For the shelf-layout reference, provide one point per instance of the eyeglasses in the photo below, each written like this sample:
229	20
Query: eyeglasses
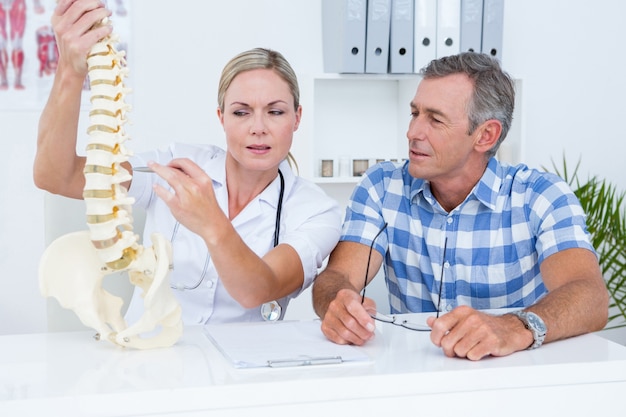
396	321
392	319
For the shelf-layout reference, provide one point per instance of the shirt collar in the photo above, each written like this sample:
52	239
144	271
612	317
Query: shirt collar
486	190
217	171
488	187
270	195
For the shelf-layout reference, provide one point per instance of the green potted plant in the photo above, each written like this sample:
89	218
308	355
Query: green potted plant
606	220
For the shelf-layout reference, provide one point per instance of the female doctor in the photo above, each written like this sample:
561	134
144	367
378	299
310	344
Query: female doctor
247	234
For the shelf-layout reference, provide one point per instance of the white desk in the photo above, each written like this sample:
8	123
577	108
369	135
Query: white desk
69	374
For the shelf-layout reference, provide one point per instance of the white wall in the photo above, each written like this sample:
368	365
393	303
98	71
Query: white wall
569	56
566	52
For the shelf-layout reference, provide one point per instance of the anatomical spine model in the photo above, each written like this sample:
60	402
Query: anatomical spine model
73	266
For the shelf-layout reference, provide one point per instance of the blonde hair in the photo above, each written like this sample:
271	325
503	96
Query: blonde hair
260	58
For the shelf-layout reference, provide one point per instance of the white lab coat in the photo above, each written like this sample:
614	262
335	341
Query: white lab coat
310	223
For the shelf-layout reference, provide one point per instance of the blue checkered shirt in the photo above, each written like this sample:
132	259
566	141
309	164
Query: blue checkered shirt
494	241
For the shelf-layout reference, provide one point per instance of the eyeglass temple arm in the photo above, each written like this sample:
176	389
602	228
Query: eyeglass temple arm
369	258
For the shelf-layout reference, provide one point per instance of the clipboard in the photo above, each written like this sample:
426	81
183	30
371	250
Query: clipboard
279	344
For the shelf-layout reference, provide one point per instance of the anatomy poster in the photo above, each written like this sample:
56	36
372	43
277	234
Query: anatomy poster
28	51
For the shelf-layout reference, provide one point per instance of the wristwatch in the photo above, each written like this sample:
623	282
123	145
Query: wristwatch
535	324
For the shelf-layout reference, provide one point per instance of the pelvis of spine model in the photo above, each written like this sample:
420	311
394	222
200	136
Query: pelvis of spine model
73	267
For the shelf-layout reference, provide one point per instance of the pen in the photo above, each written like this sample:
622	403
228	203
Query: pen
281	363
142	169
149	170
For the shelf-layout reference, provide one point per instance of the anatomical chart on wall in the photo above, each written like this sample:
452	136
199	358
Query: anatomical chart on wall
29	54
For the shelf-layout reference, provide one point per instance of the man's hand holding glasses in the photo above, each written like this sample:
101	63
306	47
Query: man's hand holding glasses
350	316
392	319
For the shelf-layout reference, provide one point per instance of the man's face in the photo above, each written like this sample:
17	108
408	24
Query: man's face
440	148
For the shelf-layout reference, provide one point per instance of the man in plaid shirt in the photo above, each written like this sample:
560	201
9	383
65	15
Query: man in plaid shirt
462	232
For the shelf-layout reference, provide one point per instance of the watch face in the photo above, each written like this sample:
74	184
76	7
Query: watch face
536	322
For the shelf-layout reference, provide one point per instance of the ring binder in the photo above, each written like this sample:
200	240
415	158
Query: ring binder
343	35
493	20
401	37
425	33
471	25
377	36
448	27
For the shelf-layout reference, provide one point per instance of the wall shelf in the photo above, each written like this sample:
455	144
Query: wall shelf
356	116
366	116
335	180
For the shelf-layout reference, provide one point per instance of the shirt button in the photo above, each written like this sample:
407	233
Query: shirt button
446	264
449	307
209	284
449	220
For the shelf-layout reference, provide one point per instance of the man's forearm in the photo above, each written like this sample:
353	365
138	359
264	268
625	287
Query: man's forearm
575	308
325	289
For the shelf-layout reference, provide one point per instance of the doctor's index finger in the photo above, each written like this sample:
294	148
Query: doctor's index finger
187	166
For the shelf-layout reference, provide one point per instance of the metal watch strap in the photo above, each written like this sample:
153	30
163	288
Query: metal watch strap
535	324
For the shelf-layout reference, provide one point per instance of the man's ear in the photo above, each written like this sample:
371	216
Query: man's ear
487	135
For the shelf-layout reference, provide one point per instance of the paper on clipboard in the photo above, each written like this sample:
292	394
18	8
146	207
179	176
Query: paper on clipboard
279	344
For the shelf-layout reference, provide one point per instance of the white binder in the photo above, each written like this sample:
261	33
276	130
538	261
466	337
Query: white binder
343	35
377	37
493	17
471	25
448	27
401	39
425	39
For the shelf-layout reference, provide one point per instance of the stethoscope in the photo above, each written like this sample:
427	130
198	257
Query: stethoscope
270	311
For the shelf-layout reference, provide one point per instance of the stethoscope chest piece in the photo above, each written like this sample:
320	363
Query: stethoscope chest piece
271	311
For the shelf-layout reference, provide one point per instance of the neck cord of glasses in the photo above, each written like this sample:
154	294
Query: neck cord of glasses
279	209
443	262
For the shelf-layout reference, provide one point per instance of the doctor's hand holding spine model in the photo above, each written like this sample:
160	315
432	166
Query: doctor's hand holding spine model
247	233
461	232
